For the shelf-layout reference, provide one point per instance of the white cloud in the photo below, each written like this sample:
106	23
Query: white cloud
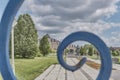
61	17
86	10
114	40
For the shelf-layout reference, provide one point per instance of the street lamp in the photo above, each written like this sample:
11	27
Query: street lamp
12	45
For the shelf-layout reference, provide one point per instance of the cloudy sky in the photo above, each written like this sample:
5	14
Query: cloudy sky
59	18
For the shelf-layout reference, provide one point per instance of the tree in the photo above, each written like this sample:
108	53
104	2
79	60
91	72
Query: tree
96	52
118	52
71	51
44	46
81	50
77	50
26	38
91	50
66	51
115	53
87	49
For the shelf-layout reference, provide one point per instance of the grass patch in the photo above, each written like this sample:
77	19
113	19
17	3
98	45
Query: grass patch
29	69
0	77
93	64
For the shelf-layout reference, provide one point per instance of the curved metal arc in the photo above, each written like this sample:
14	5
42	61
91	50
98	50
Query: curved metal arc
106	62
80	63
5	29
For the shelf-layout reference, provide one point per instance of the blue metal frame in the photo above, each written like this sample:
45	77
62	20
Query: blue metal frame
5	29
106	63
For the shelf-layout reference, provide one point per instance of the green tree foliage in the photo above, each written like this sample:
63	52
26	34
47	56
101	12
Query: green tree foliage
115	52
71	51
66	51
88	49
44	46
25	36
90	53
84	50
81	50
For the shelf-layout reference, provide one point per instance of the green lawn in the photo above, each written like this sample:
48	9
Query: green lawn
29	69
0	77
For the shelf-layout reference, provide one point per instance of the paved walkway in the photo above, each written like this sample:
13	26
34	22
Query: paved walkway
56	72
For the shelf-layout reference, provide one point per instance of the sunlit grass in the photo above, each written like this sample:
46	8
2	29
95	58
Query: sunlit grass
29	69
0	77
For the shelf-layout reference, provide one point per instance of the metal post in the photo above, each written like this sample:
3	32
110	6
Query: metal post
12	46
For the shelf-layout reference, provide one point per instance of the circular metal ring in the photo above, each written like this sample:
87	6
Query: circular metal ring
5	29
106	63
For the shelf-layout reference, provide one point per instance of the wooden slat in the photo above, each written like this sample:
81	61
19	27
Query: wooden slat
77	75
54	73
70	75
62	74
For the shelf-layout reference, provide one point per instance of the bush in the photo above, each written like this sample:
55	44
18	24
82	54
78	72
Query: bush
39	55
115	53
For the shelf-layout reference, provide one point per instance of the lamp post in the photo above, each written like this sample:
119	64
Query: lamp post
12	45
